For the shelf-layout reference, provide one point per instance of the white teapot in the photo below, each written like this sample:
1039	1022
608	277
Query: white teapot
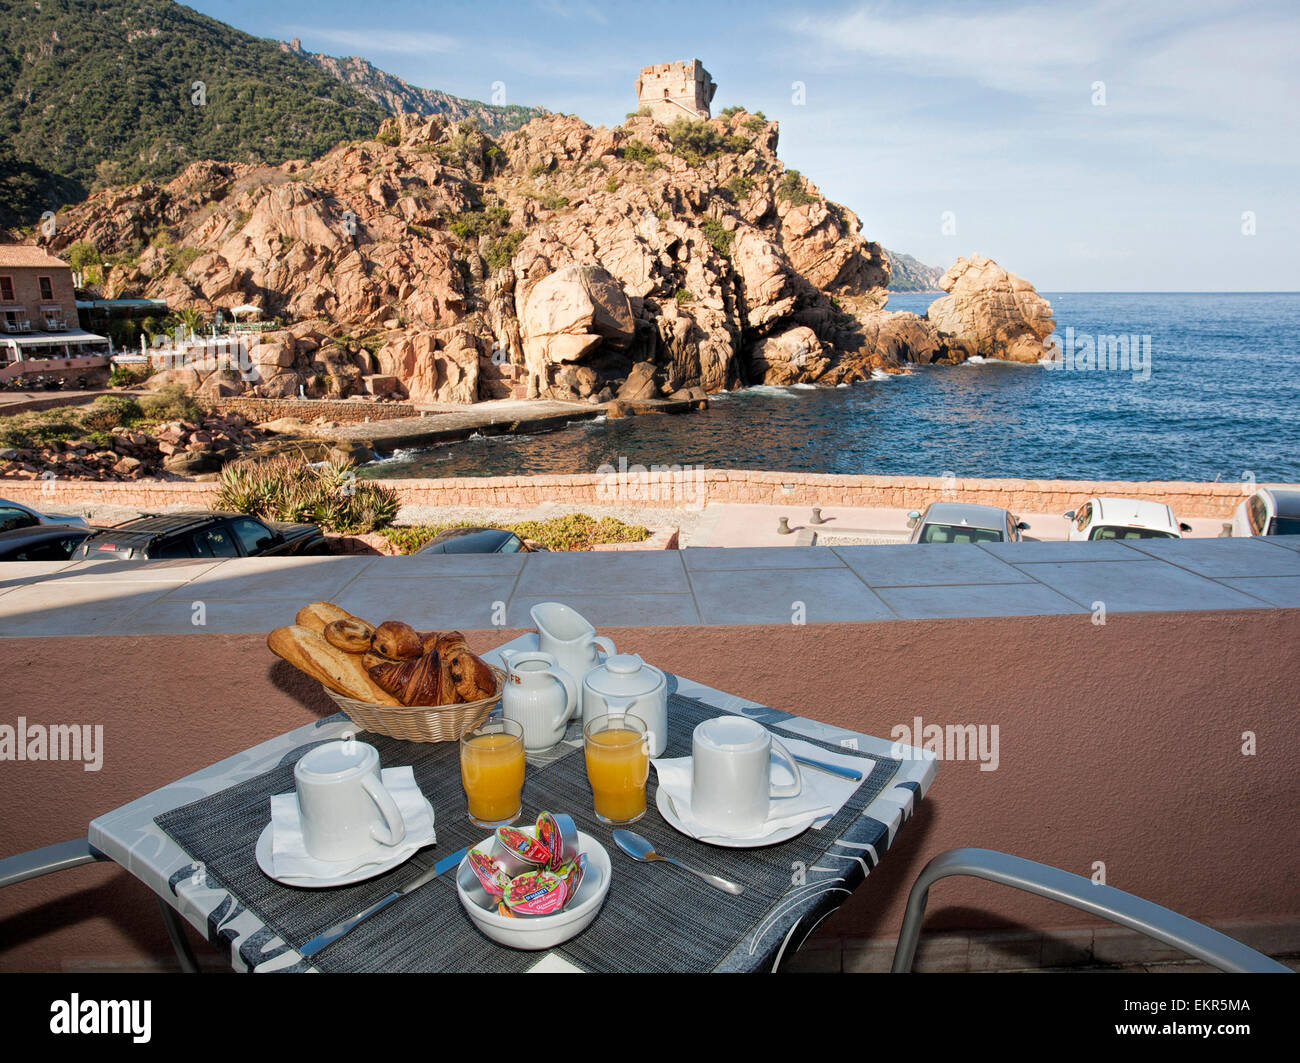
626	684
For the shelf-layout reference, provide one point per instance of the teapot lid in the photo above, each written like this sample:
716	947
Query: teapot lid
624	675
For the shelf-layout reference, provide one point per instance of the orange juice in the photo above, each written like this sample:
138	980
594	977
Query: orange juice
492	772
618	764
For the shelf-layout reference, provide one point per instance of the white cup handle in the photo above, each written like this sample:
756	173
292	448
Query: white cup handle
388	809
605	644
570	693
788	789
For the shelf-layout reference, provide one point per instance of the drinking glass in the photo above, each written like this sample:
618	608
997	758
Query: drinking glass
618	764
492	772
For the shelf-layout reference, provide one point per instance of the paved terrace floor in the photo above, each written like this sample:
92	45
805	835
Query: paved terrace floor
696	586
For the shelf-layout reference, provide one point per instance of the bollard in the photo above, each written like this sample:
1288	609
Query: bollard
783	526
817	516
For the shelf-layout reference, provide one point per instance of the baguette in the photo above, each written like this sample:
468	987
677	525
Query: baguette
337	669
318	614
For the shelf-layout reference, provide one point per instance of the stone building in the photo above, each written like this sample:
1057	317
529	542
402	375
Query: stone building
38	317
675	90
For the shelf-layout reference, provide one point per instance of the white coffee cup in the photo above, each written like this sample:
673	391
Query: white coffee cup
731	774
567	636
343	807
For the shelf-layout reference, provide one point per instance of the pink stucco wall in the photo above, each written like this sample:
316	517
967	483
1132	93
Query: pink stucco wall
1119	743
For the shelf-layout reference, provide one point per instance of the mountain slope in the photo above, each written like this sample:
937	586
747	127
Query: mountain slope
909	275
400	97
105	89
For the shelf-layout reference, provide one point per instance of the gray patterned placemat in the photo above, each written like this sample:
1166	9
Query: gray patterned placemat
655	918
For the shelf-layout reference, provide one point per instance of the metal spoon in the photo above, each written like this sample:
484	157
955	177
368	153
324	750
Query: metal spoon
639	849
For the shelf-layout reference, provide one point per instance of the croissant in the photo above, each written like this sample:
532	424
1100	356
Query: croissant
424	680
474	679
351	635
449	643
396	641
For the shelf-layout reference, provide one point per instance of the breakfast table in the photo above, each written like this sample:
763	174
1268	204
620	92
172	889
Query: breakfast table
192	842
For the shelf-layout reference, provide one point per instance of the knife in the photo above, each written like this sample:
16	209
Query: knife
335	932
834	769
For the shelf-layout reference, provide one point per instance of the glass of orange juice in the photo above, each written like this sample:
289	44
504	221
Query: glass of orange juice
492	772
618	764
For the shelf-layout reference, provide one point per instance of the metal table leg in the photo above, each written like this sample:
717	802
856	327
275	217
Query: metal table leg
176	931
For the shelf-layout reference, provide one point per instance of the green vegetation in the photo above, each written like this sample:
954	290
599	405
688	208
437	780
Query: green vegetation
140	89
791	189
289	487
696	141
755	122
554	201
683	296
125	376
501	251
95	422
389	137
718	235
612	185
639	151
740	186
577	531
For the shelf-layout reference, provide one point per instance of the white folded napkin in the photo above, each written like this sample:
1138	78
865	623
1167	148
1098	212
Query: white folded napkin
821	797
289	855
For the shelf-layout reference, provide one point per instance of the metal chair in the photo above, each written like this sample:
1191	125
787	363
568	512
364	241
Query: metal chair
65	855
1187	935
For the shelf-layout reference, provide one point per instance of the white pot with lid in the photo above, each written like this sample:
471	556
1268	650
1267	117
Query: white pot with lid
626	684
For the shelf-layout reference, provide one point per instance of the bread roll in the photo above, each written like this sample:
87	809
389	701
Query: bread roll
351	635
339	670
396	641
318	614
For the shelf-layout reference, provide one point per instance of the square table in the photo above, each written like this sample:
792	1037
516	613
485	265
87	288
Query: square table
258	926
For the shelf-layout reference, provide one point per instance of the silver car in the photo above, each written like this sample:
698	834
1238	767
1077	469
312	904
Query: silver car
1269	511
963	522
16	515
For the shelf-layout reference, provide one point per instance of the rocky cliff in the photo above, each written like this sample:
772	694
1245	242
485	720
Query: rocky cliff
560	260
397	96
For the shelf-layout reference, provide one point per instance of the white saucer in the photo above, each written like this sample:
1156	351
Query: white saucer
731	841
266	862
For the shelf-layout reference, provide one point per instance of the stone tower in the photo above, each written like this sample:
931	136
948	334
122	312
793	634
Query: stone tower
675	90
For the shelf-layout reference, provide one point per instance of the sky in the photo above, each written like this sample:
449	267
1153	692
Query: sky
1094	145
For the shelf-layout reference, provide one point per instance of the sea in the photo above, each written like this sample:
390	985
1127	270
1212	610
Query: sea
1151	386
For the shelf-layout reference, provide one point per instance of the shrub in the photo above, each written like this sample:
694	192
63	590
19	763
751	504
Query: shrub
541	169
554	201
184	259
171	403
718	235
125	376
731	112
289	487
740	186
683	297
501	251
791	189
696	141
389	137
110	411
612	185
639	151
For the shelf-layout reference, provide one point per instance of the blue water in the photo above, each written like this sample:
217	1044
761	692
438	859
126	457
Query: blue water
1222	401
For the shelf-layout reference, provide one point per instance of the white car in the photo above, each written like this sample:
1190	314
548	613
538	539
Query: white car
1268	511
1124	518
15	515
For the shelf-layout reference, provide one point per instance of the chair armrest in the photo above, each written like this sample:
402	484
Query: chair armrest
1128	910
47	860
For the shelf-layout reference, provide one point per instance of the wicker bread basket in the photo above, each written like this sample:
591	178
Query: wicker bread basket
421	723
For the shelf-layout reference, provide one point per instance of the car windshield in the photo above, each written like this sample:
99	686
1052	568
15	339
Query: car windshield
959	533
1285	526
1112	532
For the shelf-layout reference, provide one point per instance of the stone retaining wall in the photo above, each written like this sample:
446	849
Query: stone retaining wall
688	491
309	409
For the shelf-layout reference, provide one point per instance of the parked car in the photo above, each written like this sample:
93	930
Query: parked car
964	522
41	542
1269	511
477	541
16	515
178	535
1124	518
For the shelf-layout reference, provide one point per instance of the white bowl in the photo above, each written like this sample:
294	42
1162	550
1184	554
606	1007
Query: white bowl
540	931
